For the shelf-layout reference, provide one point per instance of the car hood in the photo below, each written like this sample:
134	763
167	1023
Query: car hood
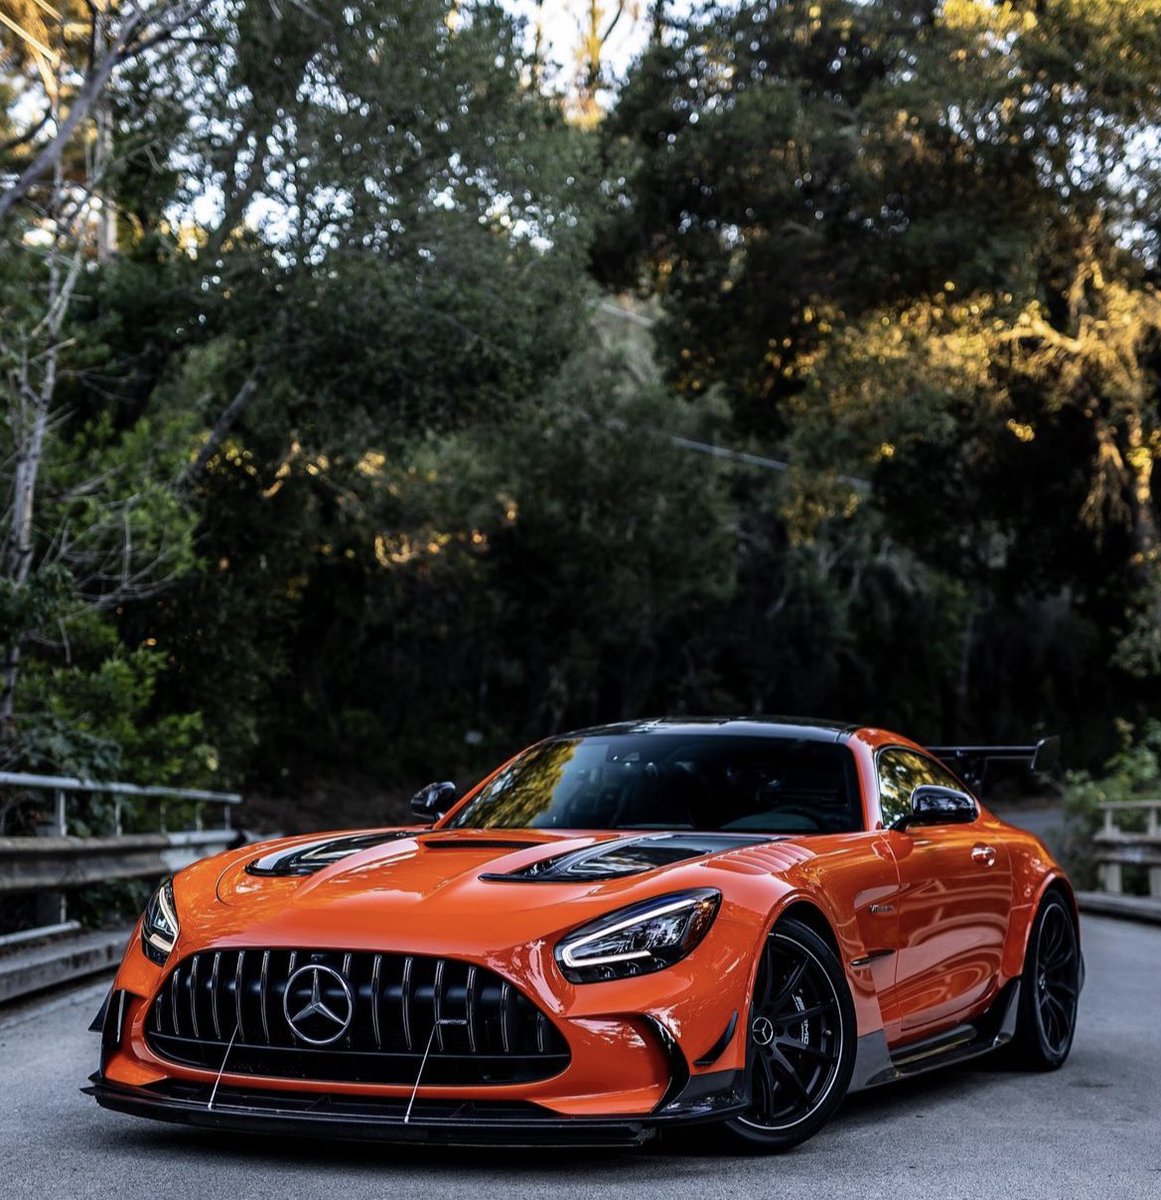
415	888
418	864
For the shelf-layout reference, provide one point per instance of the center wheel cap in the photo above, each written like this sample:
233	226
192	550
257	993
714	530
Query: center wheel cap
762	1031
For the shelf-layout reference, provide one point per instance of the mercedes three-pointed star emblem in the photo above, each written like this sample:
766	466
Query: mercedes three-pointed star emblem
315	1019
763	1031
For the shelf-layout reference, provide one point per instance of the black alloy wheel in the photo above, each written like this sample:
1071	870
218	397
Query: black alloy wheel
802	1040
1050	987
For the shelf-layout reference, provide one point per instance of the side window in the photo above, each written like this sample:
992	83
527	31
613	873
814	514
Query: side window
900	773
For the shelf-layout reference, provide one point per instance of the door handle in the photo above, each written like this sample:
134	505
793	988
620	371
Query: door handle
984	855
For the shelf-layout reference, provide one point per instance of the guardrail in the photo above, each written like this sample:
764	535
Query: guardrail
55	861
1117	848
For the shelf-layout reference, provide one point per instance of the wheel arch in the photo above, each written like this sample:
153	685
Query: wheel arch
810	915
1055	883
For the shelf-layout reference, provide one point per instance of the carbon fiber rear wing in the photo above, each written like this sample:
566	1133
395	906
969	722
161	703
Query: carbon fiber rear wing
971	762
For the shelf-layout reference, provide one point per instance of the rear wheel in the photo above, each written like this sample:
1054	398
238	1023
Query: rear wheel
1049	988
801	1045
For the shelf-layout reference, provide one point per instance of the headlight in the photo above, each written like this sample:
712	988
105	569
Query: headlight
639	939
159	929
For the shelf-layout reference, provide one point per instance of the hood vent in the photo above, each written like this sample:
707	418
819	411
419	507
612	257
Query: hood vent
305	859
627	856
470	843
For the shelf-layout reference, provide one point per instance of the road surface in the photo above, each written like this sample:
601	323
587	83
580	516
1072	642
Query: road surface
1092	1129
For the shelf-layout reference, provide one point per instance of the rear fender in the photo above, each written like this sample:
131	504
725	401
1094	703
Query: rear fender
1024	915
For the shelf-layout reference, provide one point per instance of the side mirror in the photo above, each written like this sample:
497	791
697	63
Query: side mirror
935	805
433	801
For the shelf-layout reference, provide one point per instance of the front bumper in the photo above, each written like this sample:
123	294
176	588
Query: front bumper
388	1119
512	1116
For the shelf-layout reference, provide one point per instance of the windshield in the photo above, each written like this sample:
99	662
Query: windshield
673	781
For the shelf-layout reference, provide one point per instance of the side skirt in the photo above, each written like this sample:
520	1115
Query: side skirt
876	1063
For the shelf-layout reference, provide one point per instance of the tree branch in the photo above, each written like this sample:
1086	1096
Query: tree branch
222	426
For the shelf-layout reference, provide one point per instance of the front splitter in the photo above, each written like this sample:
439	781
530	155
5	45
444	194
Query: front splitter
456	1123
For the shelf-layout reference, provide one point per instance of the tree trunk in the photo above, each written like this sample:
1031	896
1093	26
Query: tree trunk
660	20
1139	460
222	426
538	44
19	551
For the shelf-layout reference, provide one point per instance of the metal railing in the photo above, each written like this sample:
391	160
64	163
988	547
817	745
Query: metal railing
1117	848
61	857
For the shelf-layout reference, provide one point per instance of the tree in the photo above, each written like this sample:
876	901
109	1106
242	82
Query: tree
916	244
403	261
92	537
88	42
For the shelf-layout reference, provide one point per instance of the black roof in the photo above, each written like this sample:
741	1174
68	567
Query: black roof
802	728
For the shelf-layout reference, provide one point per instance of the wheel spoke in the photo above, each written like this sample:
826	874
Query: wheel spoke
783	1068
1049	1022
1050	939
1055	1002
1061	959
792	1015
787	989
762	1070
798	1047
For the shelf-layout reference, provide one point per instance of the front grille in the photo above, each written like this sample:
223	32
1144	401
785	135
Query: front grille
474	1026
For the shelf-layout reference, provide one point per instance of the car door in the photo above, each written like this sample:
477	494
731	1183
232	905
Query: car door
953	904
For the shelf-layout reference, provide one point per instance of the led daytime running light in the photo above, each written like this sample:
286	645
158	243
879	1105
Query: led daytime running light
639	939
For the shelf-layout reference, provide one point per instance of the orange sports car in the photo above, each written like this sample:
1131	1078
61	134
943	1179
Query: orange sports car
726	922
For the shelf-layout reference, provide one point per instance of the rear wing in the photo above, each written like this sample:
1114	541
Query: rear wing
971	762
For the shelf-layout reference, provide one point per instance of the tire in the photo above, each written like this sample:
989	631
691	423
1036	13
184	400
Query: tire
801	1042
1049	988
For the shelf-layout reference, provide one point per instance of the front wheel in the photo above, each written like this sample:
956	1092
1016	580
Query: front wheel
801	1044
1049	988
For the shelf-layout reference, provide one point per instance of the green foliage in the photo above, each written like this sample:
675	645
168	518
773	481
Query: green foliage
442	598
915	245
1132	773
95	716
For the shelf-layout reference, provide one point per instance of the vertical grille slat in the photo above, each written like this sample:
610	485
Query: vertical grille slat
193	996
264	995
285	1036
174	989
240	1027
477	1028
437	1003
405	1000
470	1007
214	994
376	1000
505	1005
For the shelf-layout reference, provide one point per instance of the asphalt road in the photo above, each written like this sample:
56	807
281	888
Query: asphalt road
1092	1129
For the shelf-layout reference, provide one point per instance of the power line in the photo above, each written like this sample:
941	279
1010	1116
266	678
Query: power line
756	460
743	457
